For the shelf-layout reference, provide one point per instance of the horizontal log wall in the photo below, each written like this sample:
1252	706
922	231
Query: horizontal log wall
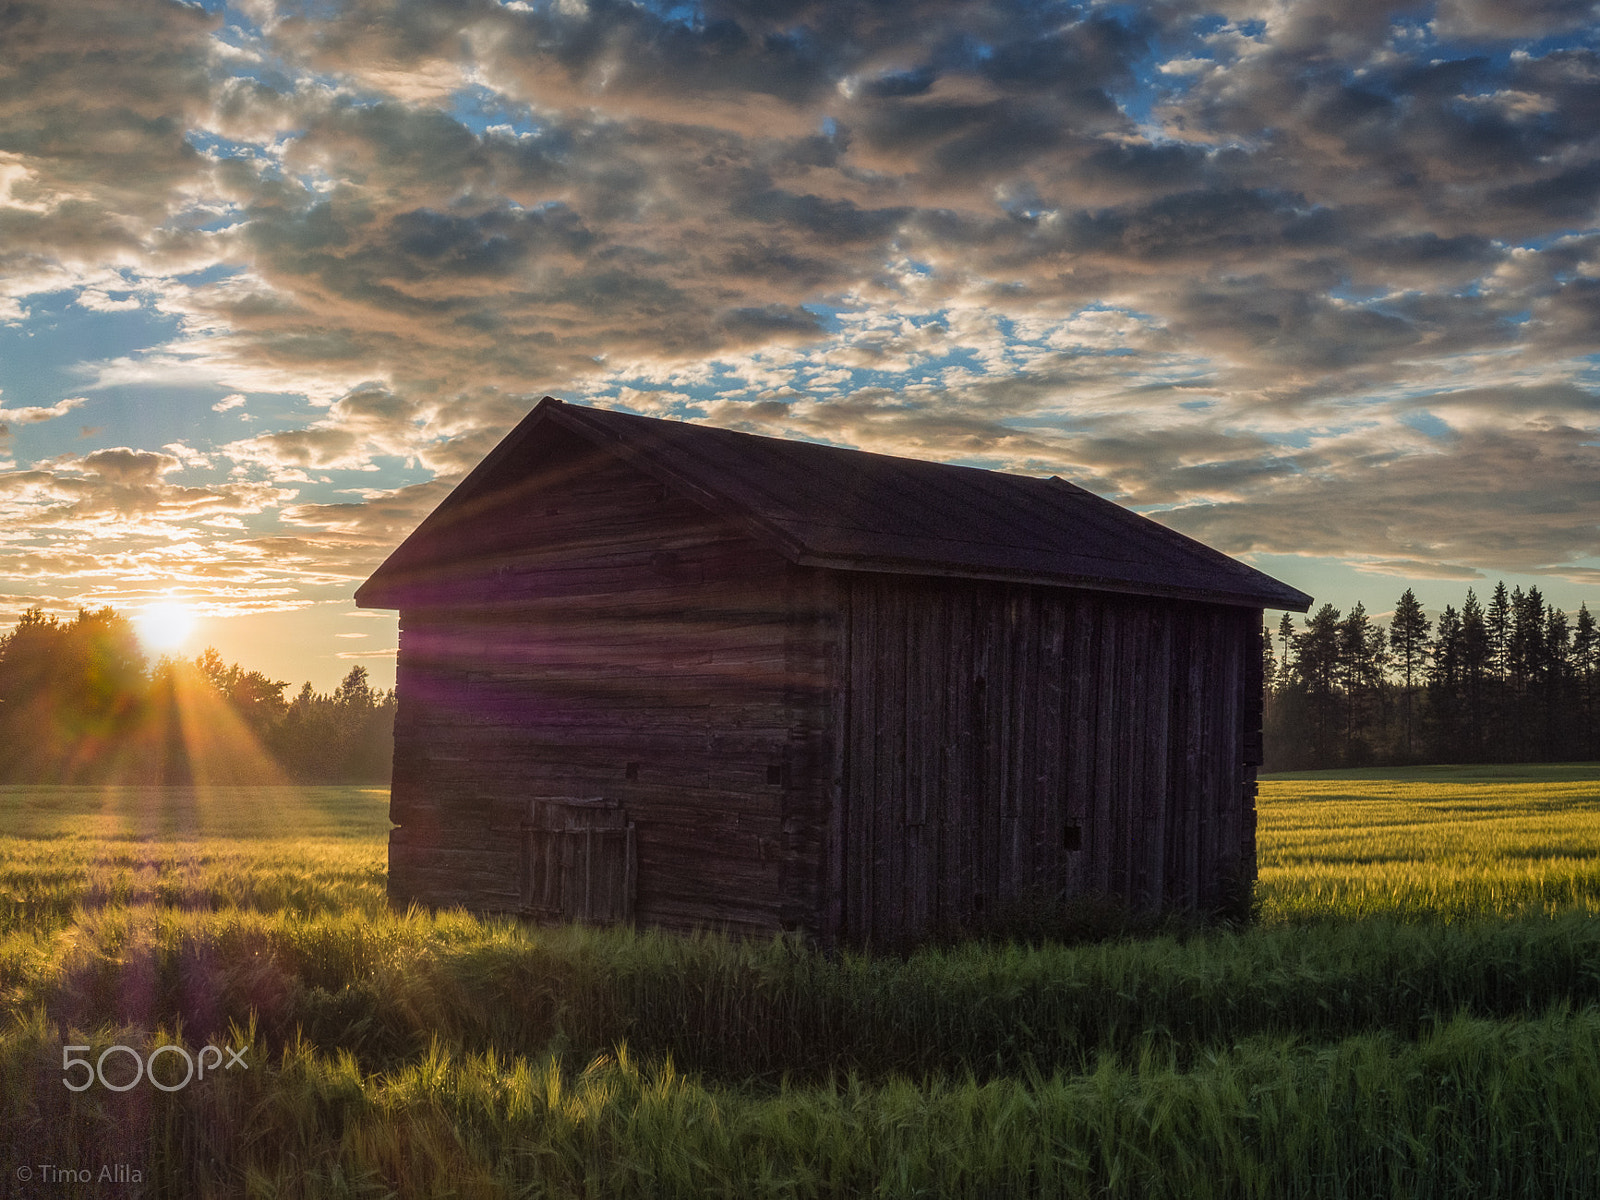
1005	742
595	636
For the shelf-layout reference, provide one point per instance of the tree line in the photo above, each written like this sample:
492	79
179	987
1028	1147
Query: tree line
1516	680
79	703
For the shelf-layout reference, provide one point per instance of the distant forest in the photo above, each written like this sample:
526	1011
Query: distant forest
79	703
1513	681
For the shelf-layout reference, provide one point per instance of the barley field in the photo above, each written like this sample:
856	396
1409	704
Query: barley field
1415	1013
1430	843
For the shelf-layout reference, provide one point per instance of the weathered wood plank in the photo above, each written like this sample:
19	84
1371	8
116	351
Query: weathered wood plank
889	673
1159	747
958	878
1107	878
1077	749
840	725
864	705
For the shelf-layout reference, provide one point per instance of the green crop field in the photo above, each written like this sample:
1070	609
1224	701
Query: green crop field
1415	1014
1430	843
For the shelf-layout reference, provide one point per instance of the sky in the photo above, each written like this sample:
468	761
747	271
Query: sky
1313	282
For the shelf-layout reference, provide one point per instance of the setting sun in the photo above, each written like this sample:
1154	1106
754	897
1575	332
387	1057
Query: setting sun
165	626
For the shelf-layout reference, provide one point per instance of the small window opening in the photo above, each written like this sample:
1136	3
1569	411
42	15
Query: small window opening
632	771
775	774
1072	837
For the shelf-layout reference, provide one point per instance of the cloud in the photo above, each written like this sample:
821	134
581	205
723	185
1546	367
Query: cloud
97	300
382	519
367	422
1413	568
35	414
125	466
1539	19
1484	506
122	494
95	100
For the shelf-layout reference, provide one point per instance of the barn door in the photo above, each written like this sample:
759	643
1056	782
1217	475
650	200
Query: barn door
578	861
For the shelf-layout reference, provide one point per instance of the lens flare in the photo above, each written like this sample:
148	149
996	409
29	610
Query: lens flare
165	626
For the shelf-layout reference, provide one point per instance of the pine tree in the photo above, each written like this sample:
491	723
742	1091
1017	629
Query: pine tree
1361	659
1497	625
1317	658
1284	740
1475	675
1556	686
1446	734
1525	645
1585	653
1269	664
1408	639
1286	656
1519	711
1494	704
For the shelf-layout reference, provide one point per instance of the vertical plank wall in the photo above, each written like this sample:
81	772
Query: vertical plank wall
998	740
601	638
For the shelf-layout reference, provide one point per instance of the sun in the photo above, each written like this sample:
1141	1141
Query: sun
165	626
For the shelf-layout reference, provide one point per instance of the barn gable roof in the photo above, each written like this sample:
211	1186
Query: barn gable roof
827	506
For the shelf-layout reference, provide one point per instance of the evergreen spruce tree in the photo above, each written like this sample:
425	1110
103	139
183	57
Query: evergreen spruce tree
1475	675
1408	640
1269	665
1361	660
1497	625
1285	741
1495	702
1446	727
1520	711
1286	655
1317	654
1556	686
1585	660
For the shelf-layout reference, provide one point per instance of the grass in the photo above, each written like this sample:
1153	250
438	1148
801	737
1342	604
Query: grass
1430	843
1415	1015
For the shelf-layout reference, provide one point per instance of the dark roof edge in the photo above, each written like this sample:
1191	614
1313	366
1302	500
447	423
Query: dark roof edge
1295	599
1301	603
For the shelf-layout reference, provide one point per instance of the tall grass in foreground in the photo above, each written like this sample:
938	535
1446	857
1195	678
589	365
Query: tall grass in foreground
1388	1029
1473	1108
385	988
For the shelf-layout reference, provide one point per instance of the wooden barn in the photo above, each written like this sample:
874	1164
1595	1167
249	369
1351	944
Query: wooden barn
663	672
